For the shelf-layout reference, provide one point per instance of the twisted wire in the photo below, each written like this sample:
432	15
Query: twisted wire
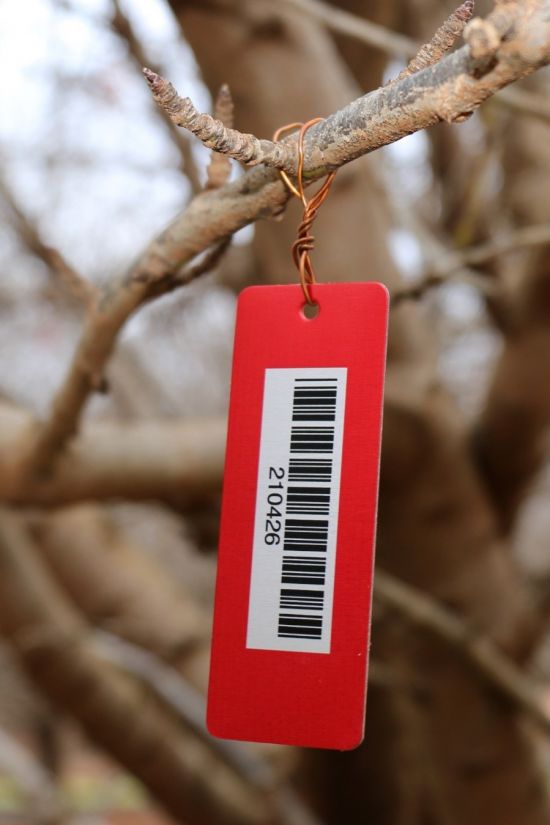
305	241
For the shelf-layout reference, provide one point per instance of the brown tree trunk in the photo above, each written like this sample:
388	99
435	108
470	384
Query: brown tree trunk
511	435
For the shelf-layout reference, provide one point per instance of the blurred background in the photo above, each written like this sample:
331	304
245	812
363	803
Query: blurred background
107	727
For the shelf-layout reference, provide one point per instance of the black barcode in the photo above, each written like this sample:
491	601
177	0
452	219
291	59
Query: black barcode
310	500
306	536
297	496
300	626
313	405
310	469
312	440
305	599
314	402
298	570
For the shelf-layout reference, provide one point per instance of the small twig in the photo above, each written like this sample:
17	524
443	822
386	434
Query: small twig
81	289
402	47
434	280
188	274
40	448
122	25
351	25
523	238
219	168
212	133
481	652
527	103
459	263
442	41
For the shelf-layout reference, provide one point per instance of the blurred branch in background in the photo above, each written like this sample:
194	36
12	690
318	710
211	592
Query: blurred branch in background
58	650
457	264
491	664
29	233
525	103
122	25
86	374
190	705
170	460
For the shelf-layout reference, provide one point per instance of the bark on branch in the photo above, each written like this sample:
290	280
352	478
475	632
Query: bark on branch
448	91
511	43
442	41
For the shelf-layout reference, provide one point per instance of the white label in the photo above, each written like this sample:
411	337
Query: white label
296	521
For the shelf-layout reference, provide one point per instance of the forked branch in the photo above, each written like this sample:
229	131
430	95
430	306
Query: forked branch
448	91
511	43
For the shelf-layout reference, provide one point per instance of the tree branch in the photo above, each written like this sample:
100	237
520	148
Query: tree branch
212	132
219	168
481	652
29	233
442	41
123	27
448	91
402	47
458	263
170	686
526	103
175	461
36	454
57	650
351	25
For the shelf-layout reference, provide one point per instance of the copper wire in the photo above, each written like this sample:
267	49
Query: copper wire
305	241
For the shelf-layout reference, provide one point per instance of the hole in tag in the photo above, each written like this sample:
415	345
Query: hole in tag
310	311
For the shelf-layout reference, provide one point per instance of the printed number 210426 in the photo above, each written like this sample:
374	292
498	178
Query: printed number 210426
274	504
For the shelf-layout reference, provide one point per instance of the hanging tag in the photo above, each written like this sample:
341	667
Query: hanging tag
294	585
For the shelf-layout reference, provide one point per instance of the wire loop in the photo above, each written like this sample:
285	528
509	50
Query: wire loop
305	241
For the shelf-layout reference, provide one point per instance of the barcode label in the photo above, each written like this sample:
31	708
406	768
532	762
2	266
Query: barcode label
296	520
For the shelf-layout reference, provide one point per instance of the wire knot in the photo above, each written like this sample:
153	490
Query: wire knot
305	241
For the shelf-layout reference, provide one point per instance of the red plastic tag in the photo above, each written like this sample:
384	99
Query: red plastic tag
293	593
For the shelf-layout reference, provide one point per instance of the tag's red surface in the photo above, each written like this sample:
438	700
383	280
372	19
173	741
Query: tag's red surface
293	593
